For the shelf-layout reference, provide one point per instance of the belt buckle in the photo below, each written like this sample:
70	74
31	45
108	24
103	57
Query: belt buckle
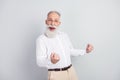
60	69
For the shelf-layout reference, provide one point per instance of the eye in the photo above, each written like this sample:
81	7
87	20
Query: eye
56	21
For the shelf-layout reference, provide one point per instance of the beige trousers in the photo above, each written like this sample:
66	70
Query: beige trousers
69	74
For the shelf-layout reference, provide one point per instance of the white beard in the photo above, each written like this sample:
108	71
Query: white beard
51	34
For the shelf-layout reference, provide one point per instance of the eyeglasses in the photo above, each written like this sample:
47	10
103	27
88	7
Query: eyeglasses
56	21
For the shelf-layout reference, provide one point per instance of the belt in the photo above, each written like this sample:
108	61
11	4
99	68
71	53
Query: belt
60	69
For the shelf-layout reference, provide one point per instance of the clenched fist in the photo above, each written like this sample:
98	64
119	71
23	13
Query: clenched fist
54	58
89	48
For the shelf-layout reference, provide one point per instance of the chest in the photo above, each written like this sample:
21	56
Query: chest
58	45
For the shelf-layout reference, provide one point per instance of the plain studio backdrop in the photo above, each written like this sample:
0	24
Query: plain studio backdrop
86	21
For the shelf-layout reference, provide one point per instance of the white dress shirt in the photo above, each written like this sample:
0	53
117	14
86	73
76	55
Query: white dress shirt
61	45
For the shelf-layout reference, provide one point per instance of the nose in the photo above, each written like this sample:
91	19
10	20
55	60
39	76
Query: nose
52	23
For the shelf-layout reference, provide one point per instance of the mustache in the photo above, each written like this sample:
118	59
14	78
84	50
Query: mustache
52	26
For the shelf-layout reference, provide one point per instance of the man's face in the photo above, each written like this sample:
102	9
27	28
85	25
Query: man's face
53	21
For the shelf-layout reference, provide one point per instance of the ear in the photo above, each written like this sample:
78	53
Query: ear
59	23
45	21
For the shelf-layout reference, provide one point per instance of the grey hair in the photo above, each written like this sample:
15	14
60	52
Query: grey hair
53	12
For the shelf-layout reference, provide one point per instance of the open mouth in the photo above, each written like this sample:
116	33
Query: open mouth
52	28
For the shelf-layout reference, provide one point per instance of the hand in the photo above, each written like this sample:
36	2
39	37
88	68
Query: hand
89	48
54	58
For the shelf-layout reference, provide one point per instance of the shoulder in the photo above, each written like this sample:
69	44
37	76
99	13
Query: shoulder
40	37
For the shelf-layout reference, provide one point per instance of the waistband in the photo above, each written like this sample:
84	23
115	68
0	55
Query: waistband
60	69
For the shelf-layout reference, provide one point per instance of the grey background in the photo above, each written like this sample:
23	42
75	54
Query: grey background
86	21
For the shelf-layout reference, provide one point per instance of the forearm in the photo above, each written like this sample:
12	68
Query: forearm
42	61
77	52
